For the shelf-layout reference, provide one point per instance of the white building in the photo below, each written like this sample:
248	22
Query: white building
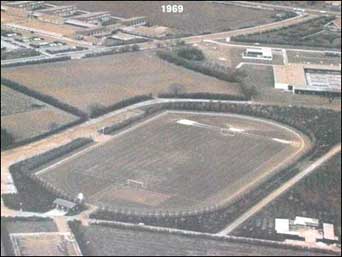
258	53
306	228
309	79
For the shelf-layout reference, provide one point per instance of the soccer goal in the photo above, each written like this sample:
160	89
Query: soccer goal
136	184
227	132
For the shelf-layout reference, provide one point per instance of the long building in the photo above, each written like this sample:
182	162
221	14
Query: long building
308	79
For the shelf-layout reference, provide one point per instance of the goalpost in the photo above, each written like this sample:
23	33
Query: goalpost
135	183
227	132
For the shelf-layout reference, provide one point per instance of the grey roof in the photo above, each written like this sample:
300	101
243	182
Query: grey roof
64	203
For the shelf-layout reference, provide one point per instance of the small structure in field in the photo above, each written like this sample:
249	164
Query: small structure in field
65	205
258	53
311	230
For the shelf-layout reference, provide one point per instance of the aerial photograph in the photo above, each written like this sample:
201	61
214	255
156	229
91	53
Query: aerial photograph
171	128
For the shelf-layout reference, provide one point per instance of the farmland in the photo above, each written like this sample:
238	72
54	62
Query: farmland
197	18
51	244
314	58
313	33
112	241
175	166
107	80
25	117
304	199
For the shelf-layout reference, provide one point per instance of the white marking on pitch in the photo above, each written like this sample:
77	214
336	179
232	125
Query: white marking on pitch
282	141
234	130
201	125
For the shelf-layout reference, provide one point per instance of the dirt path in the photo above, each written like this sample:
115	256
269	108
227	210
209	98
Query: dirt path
279	191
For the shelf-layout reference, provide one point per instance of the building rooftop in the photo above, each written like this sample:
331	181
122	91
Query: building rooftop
265	51
305	221
123	36
57	8
304	75
90	15
64	203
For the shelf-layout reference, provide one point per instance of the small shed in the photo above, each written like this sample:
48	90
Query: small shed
65	205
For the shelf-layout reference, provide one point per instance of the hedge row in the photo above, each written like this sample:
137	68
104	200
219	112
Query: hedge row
42	136
39	160
6	240
218	72
44	98
119	125
101	110
35	194
204	96
38	61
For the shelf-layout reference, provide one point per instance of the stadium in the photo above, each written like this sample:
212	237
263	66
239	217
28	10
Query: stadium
178	162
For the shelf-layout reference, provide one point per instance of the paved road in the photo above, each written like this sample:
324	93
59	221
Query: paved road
279	191
259	28
285	48
287	8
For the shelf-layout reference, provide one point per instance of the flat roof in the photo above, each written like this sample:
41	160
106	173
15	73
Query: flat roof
50	10
91	14
123	36
306	76
266	51
64	203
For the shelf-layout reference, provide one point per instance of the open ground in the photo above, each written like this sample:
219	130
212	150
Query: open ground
51	244
110	79
112	241
25	117
197	18
179	161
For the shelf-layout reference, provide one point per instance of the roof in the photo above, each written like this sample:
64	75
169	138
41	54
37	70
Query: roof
79	23
90	15
328	231
289	74
64	203
305	221
266	51
294	74
282	225
123	36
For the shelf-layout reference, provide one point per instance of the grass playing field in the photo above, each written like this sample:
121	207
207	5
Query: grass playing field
177	161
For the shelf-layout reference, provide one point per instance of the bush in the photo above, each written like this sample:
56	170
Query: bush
98	110
119	125
7	139
206	68
190	53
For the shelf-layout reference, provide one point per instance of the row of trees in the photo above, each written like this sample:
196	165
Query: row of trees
37	61
7	139
97	110
117	50
207	68
193	59
43	97
121	124
34	193
296	34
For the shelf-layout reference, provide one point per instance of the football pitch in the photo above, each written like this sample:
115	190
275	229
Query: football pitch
179	161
